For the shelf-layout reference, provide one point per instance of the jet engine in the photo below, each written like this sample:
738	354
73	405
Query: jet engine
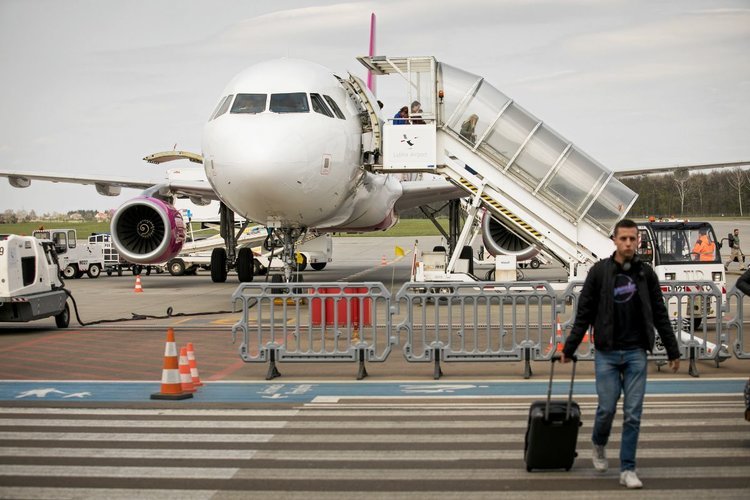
147	230
500	240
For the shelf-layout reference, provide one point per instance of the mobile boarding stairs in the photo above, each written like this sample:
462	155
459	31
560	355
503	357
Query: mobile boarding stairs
545	191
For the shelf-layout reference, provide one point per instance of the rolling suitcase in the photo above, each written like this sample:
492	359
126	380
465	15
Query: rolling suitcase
552	430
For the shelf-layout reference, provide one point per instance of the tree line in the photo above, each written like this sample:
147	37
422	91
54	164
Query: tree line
15	216
717	193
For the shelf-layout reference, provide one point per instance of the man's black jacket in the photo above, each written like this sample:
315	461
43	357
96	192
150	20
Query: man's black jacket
596	307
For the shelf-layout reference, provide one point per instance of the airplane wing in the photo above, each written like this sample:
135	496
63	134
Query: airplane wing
199	191
423	192
679	168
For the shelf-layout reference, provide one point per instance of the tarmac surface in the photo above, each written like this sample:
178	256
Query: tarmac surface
77	421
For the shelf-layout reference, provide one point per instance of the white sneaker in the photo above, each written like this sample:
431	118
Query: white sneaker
629	479
599	458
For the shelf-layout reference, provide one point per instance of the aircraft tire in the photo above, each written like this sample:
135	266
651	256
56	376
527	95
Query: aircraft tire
318	266
176	267
535	263
245	265
218	265
62	320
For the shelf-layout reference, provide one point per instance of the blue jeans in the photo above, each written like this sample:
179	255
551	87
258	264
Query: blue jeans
620	371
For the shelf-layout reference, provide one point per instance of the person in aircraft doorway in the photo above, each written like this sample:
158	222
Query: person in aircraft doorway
400	118
416	113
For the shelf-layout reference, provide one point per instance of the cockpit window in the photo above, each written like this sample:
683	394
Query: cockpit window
334	107
319	105
294	102
222	107
249	103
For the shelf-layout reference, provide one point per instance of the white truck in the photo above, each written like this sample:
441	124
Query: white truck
672	249
75	258
30	284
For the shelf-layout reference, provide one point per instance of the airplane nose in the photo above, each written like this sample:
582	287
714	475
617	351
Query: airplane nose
260	167
257	147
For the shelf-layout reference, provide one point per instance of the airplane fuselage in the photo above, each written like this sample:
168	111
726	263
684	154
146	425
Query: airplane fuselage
283	148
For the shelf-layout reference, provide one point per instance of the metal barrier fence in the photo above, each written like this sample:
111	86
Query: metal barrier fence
323	322
733	322
476	322
459	322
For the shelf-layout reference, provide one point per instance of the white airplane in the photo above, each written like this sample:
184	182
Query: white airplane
283	148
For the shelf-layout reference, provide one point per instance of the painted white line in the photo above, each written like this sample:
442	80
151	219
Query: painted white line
146	437
147	424
34	493
129	412
167	454
453	455
119	471
486	437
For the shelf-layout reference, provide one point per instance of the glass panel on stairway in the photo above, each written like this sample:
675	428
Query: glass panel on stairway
455	84
577	179
611	205
509	132
540	154
480	112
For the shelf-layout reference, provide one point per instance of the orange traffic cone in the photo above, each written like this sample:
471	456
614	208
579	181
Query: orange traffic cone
186	380
171	388
138	286
193	366
588	337
383	261
557	338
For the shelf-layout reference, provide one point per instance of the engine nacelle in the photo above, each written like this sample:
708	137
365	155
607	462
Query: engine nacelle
148	230
499	240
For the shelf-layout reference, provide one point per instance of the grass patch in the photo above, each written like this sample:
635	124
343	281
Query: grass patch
83	229
407	227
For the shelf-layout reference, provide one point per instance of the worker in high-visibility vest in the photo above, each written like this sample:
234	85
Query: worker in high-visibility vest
704	249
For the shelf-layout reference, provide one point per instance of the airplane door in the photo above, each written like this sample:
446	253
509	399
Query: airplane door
372	133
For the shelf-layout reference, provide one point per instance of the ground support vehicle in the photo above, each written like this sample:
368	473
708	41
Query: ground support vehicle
671	249
30	284
113	262
75	258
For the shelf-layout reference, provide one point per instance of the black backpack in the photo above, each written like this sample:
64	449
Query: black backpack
730	239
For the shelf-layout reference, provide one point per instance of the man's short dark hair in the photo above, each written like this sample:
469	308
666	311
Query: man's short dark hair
625	223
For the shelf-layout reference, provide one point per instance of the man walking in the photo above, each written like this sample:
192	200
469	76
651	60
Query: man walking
736	253
621	298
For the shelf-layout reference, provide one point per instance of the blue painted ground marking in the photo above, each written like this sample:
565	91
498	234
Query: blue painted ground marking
265	392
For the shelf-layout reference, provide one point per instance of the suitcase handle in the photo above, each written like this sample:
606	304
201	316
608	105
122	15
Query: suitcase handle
549	389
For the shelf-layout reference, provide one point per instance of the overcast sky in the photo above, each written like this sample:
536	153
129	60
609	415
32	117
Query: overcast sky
93	86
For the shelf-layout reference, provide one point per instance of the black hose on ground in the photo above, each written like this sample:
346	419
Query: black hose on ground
137	317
